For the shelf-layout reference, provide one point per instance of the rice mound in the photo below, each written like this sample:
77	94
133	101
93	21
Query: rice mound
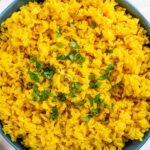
103	34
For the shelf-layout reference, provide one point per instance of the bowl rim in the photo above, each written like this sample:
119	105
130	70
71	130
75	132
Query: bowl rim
131	9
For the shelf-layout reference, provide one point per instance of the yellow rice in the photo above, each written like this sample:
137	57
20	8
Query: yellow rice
30	32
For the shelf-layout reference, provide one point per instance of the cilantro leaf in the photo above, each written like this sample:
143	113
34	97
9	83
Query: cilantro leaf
54	113
92	77
75	87
62	97
33	59
34	76
62	57
39	66
59	45
109	67
86	118
91	101
72	55
34	96
93	25
104	76
35	88
98	100
57	34
81	103
44	95
74	44
76	57
95	111
95	85
49	72
109	51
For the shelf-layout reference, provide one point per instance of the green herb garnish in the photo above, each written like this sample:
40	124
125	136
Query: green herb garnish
95	111
93	25
48	73
62	57
109	68
57	33
109	51
35	88
95	85
54	113
75	87
44	95
112	106
39	66
92	77
72	55
33	59
86	118
62	97
74	44
81	103
104	76
91	101
76	57
59	45
80	59
34	76
34	96
98	100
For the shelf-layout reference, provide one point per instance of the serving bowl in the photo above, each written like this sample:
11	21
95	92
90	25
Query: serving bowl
14	6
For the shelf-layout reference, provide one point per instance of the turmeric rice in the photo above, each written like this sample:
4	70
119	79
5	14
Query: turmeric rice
74	76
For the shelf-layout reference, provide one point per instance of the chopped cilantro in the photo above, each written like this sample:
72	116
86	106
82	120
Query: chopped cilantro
72	55
95	111
35	88
112	106
93	25
76	57
104	76
39	66
109	51
54	98
74	44
81	103
57	34
34	96
86	118
54	113
95	85
61	57
98	100
44	95
75	87
49	72
33	59
91	101
34	76
109	67
59	45
92	77
62	97
80	59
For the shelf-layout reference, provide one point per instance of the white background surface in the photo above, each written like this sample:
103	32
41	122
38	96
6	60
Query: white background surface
142	5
